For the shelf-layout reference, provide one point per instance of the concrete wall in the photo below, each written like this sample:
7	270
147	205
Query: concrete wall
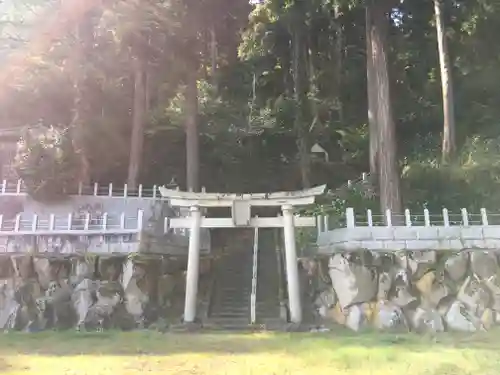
409	238
174	241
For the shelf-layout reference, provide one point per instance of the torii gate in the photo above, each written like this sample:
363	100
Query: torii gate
241	218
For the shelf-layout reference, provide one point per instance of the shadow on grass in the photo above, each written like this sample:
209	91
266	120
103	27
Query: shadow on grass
153	343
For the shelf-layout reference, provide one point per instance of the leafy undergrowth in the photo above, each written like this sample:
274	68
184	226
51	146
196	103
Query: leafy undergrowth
262	353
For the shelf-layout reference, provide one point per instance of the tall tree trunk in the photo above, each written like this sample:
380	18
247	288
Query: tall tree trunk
137	140
192	137
388	173
300	90
372	96
449	142
213	57
339	57
79	76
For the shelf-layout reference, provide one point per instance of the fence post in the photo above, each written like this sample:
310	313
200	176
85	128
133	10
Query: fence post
87	221
465	217
140	218
388	217
4	186
427	219
408	217
105	221
446	217
17	223
484	216
18	186
96	189
52	222
34	223
369	217
350	218
110	189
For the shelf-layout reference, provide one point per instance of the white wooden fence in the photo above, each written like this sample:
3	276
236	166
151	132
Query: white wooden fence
104	190
324	223
55	225
410	232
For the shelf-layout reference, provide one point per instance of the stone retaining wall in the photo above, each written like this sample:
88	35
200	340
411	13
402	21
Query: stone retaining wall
92	292
418	291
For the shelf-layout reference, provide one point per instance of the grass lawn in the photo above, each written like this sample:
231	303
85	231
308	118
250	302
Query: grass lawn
339	353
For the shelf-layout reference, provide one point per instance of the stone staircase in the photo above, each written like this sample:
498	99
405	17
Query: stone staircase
268	304
230	307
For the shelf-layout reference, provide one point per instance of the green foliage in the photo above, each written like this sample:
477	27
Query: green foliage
472	181
47	163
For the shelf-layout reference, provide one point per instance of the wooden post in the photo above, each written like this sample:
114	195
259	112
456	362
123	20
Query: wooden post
350	218
446	217
408	218
427	218
34	223
193	266
122	220
292	270
369	216
465	217
52	222
17	223
484	217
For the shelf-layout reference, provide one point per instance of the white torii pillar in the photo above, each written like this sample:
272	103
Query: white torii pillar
193	266
292	270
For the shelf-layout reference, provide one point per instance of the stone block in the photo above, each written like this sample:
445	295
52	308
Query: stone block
336	236
428	233
383	233
360	233
449	233
405	233
394	245
346	246
372	245
444	244
491	231
474	244
456	244
493	244
472	233
350	234
414	245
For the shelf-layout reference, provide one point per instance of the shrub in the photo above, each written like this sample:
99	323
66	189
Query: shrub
46	162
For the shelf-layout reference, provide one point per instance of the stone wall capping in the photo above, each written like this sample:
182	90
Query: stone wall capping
418	231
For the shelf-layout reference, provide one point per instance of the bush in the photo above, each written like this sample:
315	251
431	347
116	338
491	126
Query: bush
472	181
47	163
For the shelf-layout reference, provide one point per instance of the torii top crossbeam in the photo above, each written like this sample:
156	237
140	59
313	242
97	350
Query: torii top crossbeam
189	199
